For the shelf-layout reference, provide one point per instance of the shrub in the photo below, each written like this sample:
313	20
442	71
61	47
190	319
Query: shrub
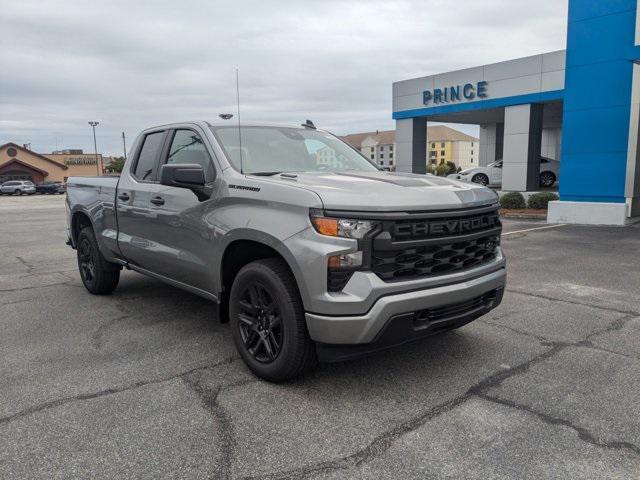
431	168
512	200
452	167
442	169
541	200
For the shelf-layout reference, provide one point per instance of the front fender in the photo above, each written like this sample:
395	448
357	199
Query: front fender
266	239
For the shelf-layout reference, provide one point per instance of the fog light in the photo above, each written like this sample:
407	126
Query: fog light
346	260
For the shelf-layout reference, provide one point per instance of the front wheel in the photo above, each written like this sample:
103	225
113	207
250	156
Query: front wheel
267	321
18	192
98	276
480	178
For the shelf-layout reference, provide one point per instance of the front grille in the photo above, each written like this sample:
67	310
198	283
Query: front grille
436	245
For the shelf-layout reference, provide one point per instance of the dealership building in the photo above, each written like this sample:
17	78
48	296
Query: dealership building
560	104
20	163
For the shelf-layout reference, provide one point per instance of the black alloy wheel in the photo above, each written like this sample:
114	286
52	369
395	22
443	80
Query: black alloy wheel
260	323
98	275
547	179
268	323
87	263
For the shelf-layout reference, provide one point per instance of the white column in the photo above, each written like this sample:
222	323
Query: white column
522	141
487	144
411	145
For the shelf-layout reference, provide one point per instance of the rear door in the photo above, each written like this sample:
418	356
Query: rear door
137	183
179	231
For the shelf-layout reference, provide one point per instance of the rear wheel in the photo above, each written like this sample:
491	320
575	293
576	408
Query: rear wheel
480	178
267	321
18	192
98	276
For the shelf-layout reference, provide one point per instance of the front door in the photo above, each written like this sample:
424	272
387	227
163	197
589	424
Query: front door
178	229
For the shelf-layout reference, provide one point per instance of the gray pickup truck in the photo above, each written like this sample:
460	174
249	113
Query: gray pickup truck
309	250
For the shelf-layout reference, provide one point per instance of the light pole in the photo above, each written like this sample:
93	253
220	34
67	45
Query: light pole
95	145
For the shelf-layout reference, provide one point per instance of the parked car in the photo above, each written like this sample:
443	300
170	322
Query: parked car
307	261
17	187
51	187
491	175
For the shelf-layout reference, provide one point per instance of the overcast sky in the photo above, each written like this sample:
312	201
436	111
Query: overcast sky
134	64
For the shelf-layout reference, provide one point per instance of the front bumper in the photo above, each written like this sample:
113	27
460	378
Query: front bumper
366	328
460	178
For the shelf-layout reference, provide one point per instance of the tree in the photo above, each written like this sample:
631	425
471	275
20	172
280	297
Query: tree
116	165
452	167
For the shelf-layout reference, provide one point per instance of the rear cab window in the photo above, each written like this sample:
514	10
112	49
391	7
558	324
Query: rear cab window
147	162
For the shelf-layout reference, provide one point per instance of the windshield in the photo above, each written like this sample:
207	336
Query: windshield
271	150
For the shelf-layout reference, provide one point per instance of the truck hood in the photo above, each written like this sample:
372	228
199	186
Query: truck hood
388	191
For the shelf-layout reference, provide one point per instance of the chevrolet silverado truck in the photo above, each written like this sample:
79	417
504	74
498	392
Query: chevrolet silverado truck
310	251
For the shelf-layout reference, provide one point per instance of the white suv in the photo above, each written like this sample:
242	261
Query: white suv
17	187
491	175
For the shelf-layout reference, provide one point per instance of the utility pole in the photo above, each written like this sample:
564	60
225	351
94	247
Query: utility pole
124	146
95	145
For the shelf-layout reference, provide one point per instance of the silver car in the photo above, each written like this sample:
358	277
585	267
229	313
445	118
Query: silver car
18	187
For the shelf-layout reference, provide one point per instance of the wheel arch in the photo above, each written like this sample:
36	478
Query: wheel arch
243	248
79	220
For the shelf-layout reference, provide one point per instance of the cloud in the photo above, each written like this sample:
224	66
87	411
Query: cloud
131	65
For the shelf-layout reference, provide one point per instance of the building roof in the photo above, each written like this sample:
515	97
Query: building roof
30	152
26	165
440	133
437	133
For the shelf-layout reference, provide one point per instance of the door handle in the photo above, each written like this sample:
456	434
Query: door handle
157	200
124	197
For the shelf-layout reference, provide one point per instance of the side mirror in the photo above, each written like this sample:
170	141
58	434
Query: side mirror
184	175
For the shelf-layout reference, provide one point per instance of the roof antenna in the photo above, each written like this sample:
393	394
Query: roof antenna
308	124
239	128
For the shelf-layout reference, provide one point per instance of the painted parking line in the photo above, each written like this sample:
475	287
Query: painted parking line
535	228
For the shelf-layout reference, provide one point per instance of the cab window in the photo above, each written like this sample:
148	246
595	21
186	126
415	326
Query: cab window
187	147
146	165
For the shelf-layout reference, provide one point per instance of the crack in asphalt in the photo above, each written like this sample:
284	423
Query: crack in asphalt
19	289
25	263
382	443
573	302
209	398
584	434
109	391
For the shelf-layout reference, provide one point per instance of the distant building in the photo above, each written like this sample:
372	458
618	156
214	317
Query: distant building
20	163
68	151
443	144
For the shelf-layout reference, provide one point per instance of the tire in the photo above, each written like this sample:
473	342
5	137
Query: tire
547	179
18	192
98	276
268	323
480	178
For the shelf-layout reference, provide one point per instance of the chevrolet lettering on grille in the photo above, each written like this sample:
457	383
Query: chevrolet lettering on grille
449	226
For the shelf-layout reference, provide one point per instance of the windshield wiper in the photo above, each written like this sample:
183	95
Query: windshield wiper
264	174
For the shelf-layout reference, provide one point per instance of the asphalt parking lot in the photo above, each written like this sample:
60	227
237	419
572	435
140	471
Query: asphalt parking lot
145	383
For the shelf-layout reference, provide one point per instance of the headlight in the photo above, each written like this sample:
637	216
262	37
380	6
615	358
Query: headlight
341	227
